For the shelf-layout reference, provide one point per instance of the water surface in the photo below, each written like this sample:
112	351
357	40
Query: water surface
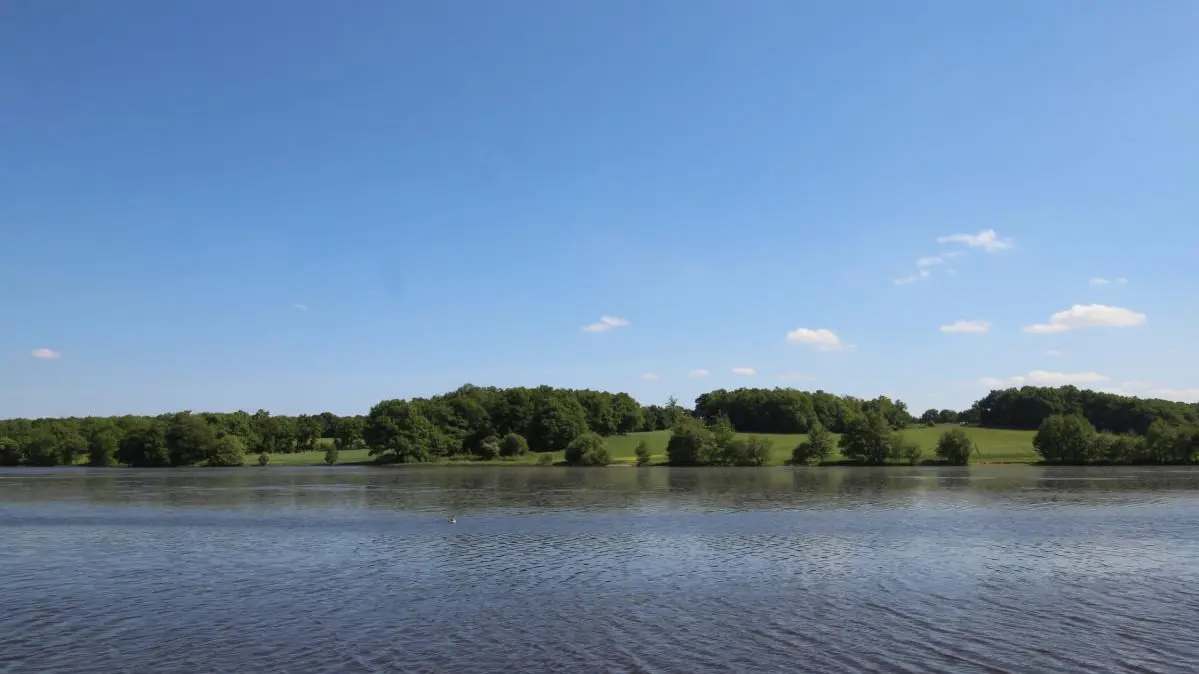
311	570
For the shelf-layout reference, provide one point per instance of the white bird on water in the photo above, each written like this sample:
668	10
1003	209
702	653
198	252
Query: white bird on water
453	520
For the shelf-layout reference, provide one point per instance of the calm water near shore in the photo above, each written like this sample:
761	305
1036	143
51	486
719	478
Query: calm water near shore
312	570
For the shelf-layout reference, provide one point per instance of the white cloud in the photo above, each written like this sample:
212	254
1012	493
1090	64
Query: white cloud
929	261
967	326
698	373
987	239
45	354
747	371
821	338
1182	395
649	376
1082	316
950	254
1044	378
904	280
924	273
1054	352
793	376
605	323
1102	281
301	307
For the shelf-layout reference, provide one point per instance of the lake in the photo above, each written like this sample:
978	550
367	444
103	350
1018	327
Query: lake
654	570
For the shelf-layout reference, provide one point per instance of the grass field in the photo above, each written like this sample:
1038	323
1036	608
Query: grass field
994	446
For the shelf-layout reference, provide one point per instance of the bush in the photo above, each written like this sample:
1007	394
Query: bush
264	459
642	453
587	450
751	451
1065	439
867	439
514	444
229	450
817	447
546	459
691	443
332	453
489	448
955	447
911	452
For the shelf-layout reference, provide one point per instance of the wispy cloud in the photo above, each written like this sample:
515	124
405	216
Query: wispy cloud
605	323
1081	316
929	261
987	239
1044	378
45	354
698	373
1104	281
300	307
649	376
747	371
820	338
967	326
904	280
1054	352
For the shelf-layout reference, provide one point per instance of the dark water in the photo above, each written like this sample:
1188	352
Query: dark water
604	570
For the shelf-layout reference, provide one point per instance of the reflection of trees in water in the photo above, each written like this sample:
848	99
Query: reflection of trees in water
463	490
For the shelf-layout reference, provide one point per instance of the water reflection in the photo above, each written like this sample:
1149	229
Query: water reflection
626	570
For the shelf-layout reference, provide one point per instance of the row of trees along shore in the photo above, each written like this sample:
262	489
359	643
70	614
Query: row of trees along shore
1074	426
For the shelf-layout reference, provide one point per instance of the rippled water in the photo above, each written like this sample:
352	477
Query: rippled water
306	570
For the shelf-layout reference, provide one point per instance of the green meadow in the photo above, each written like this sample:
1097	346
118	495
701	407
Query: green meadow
994	446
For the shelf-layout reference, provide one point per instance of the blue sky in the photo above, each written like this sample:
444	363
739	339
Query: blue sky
306	206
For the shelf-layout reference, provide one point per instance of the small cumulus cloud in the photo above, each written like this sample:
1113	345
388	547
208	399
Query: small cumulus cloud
967	326
904	280
929	261
1081	316
821	338
1045	378
987	239
1104	281
605	323
300	307
747	371
45	354
649	376
698	373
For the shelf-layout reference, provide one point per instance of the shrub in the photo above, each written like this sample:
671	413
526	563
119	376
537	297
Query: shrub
867	439
229	450
751	451
489	448
691	443
264	459
911	452
1065	439
587	450
642	453
514	444
955	447
817	447
546	459
332	453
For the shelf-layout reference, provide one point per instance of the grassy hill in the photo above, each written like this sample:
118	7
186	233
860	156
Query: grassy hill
994	446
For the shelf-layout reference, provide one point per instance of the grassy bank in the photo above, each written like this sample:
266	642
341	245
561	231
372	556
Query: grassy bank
994	446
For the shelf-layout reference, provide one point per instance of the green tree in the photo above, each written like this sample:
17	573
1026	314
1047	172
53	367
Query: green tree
332	453
229	450
102	447
347	433
816	448
546	459
190	439
557	421
489	448
867	439
955	447
587	450
397	431
723	434
10	452
514	445
691	443
144	445
264	458
908	450
642	453
751	451
1065	438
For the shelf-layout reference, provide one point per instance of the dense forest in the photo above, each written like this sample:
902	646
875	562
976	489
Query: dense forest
1076	426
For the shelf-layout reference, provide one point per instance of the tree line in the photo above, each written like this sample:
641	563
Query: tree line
489	422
